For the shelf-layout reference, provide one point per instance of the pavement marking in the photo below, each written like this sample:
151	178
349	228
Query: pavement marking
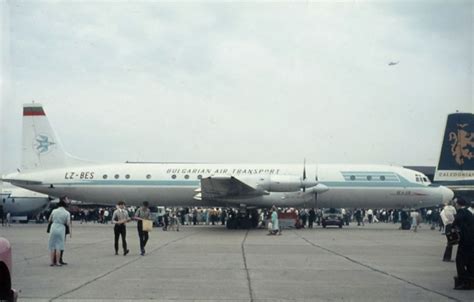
242	246
137	258
375	269
27	259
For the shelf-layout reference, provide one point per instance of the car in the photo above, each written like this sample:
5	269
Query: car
332	216
6	291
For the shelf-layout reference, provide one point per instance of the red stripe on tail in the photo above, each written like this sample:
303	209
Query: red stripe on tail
33	111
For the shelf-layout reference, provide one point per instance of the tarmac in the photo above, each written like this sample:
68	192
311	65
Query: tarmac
376	262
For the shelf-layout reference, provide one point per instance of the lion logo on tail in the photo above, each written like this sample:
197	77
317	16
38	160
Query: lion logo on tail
462	140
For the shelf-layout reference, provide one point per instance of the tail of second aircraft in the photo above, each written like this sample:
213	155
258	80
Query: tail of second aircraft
456	161
41	147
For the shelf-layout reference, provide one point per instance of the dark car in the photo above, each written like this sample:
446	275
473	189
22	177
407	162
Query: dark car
332	216
6	291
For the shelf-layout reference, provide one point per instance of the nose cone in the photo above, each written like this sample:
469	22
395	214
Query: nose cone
447	194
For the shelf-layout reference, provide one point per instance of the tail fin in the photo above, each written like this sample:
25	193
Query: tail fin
456	161
41	148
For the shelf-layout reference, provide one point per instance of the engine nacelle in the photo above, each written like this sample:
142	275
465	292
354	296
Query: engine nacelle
280	183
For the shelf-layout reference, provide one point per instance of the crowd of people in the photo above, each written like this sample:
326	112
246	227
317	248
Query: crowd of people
456	222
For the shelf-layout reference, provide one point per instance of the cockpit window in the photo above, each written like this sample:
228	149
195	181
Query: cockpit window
425	179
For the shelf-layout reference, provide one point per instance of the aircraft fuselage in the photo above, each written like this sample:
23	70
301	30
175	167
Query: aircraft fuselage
170	184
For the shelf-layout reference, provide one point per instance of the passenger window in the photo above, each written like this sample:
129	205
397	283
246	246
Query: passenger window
199	176
127	176
173	176
117	176
369	177
353	177
148	176
104	176
186	176
382	177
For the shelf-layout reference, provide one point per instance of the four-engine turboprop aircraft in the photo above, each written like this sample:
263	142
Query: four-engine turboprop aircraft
46	168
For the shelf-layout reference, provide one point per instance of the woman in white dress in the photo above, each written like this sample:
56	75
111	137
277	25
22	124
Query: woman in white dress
60	217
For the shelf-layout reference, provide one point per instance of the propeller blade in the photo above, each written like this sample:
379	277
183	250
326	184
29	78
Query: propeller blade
304	174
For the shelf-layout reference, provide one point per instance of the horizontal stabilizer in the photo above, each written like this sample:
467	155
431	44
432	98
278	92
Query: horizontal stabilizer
21	182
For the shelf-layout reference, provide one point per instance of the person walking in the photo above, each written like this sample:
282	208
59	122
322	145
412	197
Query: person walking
9	219
447	216
2	214
59	218
415	220
142	213
275	222
464	222
119	218
67	231
359	217
312	217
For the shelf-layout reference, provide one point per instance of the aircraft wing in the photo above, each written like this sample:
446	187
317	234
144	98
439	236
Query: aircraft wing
226	187
20	182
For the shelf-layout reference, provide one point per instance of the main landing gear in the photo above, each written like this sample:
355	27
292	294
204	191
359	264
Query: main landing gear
243	219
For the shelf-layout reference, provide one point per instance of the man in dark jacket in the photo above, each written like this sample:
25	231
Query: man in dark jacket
464	222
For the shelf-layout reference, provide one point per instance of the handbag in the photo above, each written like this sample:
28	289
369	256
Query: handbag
453	236
147	225
48	229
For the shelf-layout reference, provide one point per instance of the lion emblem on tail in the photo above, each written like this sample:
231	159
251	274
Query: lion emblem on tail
462	140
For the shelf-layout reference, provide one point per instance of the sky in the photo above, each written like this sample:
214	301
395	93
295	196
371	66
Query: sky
238	82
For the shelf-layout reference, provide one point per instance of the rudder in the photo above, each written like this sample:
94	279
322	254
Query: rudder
41	147
457	150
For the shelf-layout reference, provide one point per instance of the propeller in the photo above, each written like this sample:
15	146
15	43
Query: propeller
304	175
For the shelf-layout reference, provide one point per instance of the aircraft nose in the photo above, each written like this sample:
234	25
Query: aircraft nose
447	193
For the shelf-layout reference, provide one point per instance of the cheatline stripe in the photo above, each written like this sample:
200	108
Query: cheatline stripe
177	183
368	172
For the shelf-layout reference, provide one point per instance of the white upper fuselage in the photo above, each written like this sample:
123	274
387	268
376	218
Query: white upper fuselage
175	184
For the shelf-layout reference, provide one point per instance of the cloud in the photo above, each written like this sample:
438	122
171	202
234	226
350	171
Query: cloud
252	82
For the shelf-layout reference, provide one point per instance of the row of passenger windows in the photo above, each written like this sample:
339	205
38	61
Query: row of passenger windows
369	177
148	176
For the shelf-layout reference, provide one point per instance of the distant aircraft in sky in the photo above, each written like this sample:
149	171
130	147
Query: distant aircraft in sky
456	162
48	169
393	63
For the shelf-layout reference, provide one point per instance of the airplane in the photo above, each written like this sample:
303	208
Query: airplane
22	204
456	162
393	63
48	169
